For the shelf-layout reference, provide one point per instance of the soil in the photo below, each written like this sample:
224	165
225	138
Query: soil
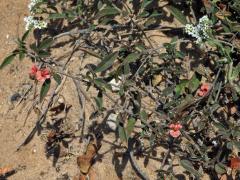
31	161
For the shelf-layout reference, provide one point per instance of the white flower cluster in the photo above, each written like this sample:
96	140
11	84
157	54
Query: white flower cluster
32	4
200	32
37	24
32	22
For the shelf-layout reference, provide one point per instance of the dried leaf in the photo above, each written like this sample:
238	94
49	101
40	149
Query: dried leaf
222	14
85	161
157	79
235	163
224	177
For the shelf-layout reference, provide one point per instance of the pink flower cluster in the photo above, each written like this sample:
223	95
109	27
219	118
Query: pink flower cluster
175	130
39	74
204	89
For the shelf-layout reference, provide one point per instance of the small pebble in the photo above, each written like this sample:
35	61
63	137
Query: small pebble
60	100
111	121
115	84
15	97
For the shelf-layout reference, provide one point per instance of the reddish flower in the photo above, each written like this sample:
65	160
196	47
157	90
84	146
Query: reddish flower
204	89
33	71
175	130
39	74
42	75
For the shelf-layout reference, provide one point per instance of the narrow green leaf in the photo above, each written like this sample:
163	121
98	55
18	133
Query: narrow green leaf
45	88
106	62
100	83
193	83
130	126
43	54
25	35
7	60
46	43
99	102
57	78
144	14
57	16
220	168
150	21
107	11
235	72
121	131
21	55
126	69
189	167
131	58
145	3
143	116
178	15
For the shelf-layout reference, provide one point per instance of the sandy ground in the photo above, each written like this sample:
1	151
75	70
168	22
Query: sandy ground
31	159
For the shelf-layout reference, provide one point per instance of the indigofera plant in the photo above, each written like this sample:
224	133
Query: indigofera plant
180	92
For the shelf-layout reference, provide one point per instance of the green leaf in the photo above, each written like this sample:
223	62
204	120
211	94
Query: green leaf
100	83
99	102
7	60
21	54
189	167
131	58
57	78
144	14
45	88
180	88
235	72
43	54
220	168
193	84
126	69
121	131
130	126
178	15
25	35
143	116
46	43
106	62
150	21
107	11
57	16
145	3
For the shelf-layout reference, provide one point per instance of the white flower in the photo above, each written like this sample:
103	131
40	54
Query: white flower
36	24
200	32
32	4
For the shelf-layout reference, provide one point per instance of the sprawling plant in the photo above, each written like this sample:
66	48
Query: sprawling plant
186	99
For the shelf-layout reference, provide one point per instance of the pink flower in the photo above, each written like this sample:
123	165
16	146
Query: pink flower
204	89
42	75
39	74
175	130
33	71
